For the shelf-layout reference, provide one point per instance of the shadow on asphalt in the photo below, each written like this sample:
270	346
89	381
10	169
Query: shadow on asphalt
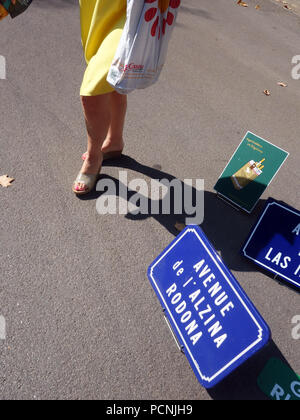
242	383
227	229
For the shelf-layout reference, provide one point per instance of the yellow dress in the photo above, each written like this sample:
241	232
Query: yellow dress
102	24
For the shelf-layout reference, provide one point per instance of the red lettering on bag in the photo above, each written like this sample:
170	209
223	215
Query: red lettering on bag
132	66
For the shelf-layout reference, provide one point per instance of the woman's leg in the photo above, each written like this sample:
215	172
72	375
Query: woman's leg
97	114
114	139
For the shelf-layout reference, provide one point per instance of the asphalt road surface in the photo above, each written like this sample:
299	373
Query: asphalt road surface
82	320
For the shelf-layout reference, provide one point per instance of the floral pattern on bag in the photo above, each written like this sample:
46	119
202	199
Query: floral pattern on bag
13	7
3	12
158	12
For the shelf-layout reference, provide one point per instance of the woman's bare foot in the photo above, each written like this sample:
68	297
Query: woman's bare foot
109	146
112	145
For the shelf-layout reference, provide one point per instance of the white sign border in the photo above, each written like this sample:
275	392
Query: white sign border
251	236
260	329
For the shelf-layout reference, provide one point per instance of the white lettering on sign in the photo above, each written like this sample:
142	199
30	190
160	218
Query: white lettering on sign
279	259
295	387
208	313
280	394
297	230
298	269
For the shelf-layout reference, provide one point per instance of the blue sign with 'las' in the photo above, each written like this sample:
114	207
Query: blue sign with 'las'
215	322
274	242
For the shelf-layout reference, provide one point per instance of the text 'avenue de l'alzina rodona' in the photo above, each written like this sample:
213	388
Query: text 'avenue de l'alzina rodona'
208	314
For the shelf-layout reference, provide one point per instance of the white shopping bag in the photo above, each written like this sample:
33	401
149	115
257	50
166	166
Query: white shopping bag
142	51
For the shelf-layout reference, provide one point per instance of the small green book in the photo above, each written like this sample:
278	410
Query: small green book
15	7
250	171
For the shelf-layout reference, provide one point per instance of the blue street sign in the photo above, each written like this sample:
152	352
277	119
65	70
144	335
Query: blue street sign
274	242
213	319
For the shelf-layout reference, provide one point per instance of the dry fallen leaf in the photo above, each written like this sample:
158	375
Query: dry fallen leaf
179	226
242	3
267	92
5	181
282	84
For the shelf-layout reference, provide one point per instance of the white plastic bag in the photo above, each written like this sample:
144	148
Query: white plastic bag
142	51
